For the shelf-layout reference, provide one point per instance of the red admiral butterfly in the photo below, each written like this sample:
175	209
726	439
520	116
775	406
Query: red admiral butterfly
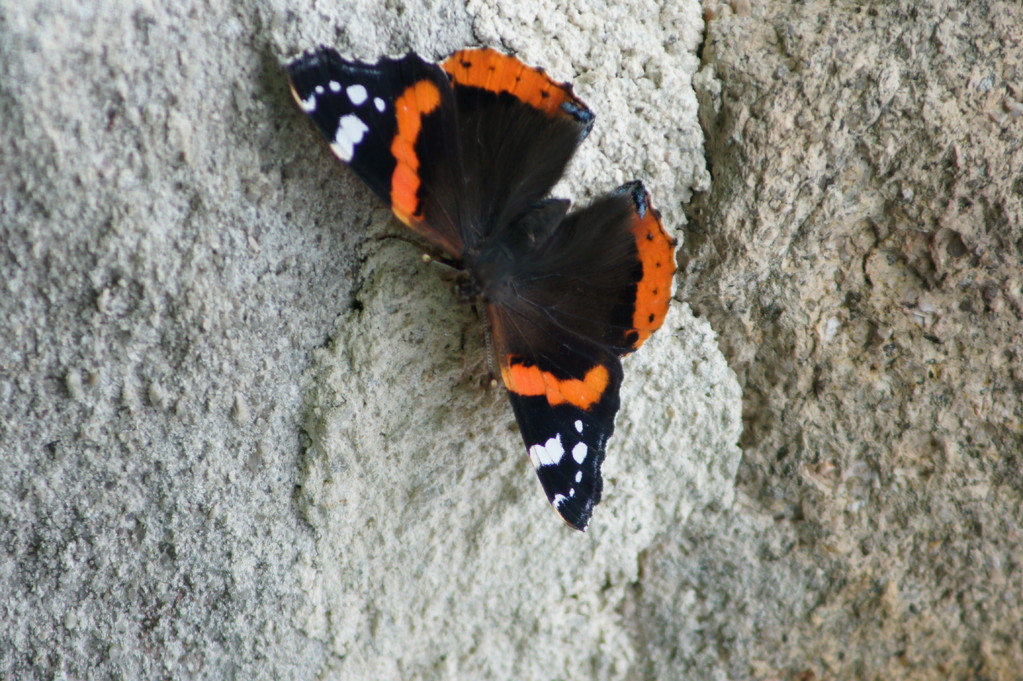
465	152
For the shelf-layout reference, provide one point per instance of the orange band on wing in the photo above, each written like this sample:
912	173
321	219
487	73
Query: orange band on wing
531	381
416	101
496	72
653	292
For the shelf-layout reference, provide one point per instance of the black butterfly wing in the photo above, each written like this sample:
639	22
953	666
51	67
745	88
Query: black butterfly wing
394	123
458	150
593	291
517	131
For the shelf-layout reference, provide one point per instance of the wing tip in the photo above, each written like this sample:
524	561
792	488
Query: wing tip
576	512
576	522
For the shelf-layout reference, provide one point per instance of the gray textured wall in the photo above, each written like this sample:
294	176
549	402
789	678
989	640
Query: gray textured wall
243	431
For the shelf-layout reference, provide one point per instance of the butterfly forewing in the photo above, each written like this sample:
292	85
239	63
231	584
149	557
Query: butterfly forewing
393	122
517	130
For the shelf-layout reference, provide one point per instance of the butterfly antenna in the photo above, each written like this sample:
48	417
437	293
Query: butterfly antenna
436	258
445	262
488	340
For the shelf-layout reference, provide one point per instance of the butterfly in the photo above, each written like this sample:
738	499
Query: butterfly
465	153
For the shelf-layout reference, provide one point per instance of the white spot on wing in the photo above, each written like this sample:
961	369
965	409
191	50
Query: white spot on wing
578	476
350	131
319	89
357	94
334	86
559	499
578	426
308	104
379	104
579	452
547	454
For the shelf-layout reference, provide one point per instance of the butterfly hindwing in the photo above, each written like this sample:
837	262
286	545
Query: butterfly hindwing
605	274
656	252
592	292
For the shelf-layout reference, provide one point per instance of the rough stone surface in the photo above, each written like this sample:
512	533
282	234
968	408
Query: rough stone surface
244	431
860	254
434	540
